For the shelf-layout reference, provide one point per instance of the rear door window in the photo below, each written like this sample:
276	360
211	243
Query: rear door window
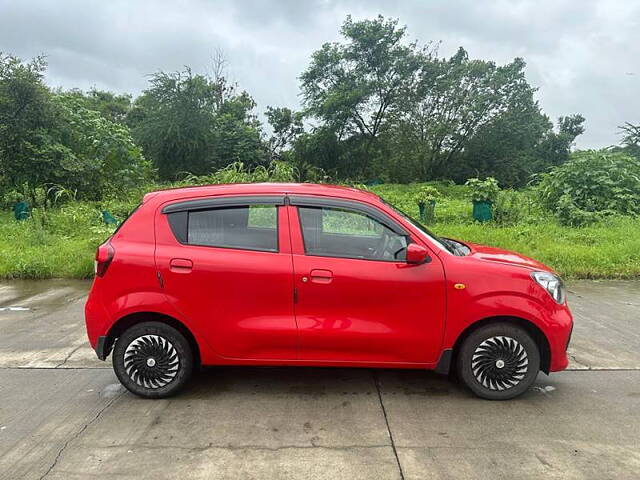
250	227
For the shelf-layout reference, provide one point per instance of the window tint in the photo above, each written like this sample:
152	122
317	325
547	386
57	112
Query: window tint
251	227
334	232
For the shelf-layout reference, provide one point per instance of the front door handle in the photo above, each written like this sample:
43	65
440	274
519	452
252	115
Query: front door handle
321	276
180	265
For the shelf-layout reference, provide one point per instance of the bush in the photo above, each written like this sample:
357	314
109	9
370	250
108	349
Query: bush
591	185
427	194
276	171
483	190
513	207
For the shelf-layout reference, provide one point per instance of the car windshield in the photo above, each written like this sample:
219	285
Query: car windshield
440	242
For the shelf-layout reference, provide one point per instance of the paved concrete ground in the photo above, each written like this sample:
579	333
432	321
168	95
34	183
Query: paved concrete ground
63	414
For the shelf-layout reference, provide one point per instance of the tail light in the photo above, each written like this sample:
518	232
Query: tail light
104	255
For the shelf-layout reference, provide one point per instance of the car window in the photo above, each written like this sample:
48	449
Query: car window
252	227
337	232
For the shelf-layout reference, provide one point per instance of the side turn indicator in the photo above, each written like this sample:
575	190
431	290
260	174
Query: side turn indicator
459	286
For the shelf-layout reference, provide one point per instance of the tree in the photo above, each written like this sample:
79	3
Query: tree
351	86
404	113
94	156
452	101
50	141
631	139
556	146
505	147
194	123
26	115
286	126
112	106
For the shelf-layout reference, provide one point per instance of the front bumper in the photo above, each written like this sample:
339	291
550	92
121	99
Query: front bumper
559	338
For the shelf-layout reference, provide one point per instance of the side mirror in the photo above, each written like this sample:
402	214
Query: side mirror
417	254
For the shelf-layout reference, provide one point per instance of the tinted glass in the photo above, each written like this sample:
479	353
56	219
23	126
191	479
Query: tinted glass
251	227
333	232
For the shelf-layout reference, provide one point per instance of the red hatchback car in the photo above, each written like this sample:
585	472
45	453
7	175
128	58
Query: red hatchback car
301	274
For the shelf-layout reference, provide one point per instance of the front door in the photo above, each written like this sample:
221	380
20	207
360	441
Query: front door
357	298
226	266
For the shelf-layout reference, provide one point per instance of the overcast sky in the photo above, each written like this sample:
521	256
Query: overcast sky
584	56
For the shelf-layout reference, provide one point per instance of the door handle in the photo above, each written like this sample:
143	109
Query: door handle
321	276
180	265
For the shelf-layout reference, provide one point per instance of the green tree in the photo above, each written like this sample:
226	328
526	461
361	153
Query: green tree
53	141
286	126
193	123
506	147
556	146
452	101
631	139
27	150
94	156
352	85
112	106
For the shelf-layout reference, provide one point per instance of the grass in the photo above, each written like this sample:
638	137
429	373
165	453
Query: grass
65	245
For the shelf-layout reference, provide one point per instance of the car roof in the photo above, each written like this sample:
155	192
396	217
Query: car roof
263	188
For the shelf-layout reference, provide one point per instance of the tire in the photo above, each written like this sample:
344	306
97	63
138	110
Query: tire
152	360
499	361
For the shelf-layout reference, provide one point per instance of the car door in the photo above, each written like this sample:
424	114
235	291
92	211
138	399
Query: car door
226	266
358	300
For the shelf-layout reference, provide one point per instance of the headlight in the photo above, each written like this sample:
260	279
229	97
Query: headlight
552	284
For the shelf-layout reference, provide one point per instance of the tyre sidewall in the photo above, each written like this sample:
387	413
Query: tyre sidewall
162	330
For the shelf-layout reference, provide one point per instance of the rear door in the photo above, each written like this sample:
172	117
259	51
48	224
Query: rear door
226	266
358	299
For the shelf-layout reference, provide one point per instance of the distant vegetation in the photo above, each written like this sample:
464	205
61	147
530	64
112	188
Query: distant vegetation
376	110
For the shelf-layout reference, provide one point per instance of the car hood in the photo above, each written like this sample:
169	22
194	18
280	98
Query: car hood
493	254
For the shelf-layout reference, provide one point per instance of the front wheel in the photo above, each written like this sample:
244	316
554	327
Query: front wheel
499	361
152	360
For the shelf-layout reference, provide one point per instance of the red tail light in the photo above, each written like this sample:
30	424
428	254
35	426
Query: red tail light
104	255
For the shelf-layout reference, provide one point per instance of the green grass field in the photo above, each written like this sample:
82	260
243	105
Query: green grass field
65	245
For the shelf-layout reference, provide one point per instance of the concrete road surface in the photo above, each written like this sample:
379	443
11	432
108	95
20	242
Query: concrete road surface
63	414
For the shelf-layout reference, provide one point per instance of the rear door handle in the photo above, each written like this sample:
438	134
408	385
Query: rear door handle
321	276
180	265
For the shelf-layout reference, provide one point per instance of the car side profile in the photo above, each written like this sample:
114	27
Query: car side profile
315	275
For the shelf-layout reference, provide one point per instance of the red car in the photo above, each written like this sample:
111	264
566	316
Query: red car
301	274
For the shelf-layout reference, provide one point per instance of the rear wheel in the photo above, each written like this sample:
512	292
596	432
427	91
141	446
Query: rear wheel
499	361
152	360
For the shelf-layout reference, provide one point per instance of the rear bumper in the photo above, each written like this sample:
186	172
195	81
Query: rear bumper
97	321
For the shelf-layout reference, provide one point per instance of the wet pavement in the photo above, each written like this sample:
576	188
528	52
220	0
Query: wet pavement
63	415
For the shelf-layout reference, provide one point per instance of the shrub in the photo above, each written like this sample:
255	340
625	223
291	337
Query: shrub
513	207
427	194
276	171
591	185
483	190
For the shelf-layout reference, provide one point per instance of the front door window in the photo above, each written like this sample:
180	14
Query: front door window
336	232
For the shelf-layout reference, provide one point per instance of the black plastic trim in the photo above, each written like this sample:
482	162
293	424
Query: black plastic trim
215	202
103	347
569	339
444	364
179	223
319	202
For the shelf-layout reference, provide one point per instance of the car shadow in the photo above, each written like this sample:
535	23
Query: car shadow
315	381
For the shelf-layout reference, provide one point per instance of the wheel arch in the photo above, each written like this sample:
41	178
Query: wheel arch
531	328
127	321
